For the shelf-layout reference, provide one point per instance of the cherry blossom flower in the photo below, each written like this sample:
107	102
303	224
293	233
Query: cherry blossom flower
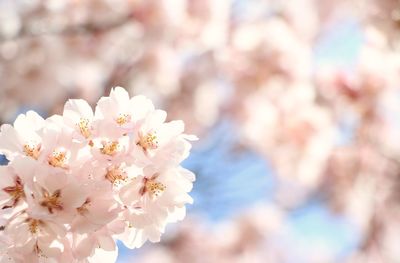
22	138
12	188
157	141
79	115
77	182
154	198
34	238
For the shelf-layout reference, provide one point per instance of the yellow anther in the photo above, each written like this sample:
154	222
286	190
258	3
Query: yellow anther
51	202
58	159
33	225
84	128
149	141
32	150
116	175
123	119
110	148
154	188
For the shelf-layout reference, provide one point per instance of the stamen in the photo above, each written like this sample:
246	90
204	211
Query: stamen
83	209
51	202
33	225
32	150
148	141
116	175
110	148
84	128
58	159
16	192
123	119
154	188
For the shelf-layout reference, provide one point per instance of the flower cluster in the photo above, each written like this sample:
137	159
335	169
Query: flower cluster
76	183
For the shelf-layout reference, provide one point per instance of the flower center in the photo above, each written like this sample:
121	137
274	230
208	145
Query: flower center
123	119
83	126
33	225
83	209
16	192
154	188
148	141
51	202
58	158
110	148
116	175
32	150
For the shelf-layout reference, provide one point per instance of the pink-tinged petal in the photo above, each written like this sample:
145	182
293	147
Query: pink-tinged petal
183	199
190	137
55	229
108	108
10	142
67	255
116	227
173	152
188	175
55	181
82	225
150	170
171	129
73	195
25	168
153	215
106	242
130	193
28	247
83	245
29	122
76	109
52	181
51	133
20	233
104	109
155	119
50	248
7	177
153	234
102	211
119	96
132	238
140	221
177	214
102	256
55	120
35	121
181	181
176	193
140	107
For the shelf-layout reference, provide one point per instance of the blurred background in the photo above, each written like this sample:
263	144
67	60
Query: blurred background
296	103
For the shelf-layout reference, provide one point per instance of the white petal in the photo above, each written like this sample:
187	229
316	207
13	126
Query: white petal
102	256
10	142
140	107
155	119
76	109
119	95
130	193
83	245
31	121
106	242
73	195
